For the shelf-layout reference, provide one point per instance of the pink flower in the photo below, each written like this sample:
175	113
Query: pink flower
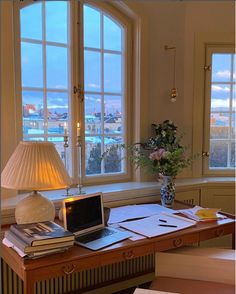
165	154
158	154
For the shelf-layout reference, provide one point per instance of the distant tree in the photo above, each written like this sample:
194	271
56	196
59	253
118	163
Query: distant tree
218	155
112	161
94	161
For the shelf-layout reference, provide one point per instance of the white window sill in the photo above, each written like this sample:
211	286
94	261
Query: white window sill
118	193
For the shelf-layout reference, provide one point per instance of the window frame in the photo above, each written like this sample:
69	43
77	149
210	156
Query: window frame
211	49
76	105
125	22
202	40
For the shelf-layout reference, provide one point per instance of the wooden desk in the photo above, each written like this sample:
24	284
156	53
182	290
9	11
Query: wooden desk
77	258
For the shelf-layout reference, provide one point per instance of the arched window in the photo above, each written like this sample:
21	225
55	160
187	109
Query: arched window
65	55
104	91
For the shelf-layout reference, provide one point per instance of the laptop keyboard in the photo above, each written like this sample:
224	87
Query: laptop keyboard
95	235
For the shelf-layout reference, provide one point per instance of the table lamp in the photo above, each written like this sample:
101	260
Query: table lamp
35	166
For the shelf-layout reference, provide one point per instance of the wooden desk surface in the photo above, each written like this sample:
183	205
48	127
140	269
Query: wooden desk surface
78	258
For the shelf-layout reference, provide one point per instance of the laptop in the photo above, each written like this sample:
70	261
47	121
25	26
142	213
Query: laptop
84	217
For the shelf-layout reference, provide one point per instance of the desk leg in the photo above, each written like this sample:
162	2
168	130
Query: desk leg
28	284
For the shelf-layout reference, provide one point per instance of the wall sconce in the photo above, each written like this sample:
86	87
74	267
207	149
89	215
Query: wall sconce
173	91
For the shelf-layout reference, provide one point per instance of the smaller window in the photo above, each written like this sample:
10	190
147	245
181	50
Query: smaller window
220	110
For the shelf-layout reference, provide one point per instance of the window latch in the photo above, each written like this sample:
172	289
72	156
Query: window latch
205	153
80	92
207	67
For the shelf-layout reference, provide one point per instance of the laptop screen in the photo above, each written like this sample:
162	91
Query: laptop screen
83	213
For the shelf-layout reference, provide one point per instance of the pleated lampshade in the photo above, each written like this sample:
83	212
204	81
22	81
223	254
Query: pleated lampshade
35	166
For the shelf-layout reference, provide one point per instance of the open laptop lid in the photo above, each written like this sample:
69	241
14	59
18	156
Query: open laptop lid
83	214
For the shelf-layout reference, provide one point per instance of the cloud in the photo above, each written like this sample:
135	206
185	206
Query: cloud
223	74
60	86
215	103
57	106
94	86
92	99
217	88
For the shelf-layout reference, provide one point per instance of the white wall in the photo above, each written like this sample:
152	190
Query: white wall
202	17
175	23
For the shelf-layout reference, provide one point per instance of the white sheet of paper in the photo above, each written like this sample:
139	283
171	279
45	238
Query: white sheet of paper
11	245
133	237
150	226
123	213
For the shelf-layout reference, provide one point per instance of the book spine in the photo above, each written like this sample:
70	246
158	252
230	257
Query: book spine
54	234
16	241
22	236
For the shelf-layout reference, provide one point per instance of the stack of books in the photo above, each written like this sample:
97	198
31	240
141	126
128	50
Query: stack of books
38	239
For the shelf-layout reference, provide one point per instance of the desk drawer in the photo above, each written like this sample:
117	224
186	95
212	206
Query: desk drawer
65	268
176	242
127	254
218	232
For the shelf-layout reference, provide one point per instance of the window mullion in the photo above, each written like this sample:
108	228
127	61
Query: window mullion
102	89
44	70
231	109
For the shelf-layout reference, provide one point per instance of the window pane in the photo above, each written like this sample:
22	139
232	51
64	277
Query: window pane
233	126
218	154
220	97
91	27
93	114
57	72
34	139
57	106
112	35
233	98
31	65
219	125
59	144
33	110
221	67
232	161
57	112
112	114
31	21
112	161
92	71
112	73
56	21
93	155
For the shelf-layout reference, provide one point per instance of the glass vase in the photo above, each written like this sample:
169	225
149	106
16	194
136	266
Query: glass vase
167	191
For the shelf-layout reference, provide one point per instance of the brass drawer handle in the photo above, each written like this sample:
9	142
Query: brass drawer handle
68	269
219	232
178	242
128	254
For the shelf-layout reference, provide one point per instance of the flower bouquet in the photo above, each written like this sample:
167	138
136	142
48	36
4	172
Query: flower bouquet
162	155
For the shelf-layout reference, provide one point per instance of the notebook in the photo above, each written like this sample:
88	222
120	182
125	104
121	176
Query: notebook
84	217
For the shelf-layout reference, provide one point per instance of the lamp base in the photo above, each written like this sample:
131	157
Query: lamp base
34	208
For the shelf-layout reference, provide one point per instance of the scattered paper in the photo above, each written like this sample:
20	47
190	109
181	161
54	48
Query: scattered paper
129	212
133	237
157	225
